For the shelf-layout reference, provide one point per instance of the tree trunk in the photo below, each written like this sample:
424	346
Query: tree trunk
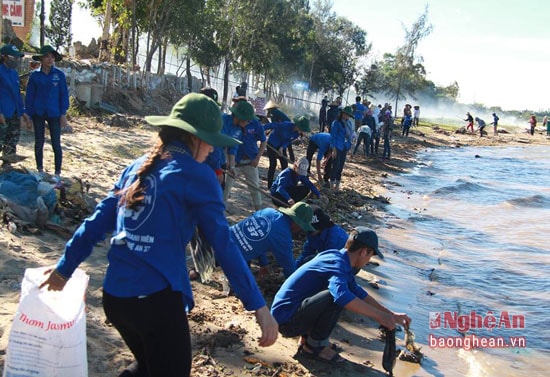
188	73
104	46
226	79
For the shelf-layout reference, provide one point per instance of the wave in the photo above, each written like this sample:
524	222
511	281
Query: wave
534	201
459	187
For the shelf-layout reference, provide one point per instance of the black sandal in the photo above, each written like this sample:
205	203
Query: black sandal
315	354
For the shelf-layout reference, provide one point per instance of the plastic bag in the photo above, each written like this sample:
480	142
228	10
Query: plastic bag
48	333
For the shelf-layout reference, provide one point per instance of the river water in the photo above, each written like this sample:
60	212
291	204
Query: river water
466	239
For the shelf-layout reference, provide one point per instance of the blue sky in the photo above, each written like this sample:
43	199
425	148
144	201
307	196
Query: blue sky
497	51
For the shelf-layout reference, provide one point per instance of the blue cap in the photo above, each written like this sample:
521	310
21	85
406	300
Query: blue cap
368	237
11	50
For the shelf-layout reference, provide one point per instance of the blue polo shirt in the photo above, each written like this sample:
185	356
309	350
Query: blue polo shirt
11	102
333	237
322	140
147	252
267	230
253	132
47	94
330	269
282	134
289	178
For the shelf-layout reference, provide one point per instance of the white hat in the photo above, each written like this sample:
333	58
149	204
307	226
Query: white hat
302	166
259	93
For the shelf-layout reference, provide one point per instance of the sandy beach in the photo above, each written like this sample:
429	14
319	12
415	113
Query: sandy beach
224	335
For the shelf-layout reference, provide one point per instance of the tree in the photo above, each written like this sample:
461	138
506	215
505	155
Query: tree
339	47
59	31
407	71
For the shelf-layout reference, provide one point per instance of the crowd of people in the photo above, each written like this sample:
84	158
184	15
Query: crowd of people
161	198
180	188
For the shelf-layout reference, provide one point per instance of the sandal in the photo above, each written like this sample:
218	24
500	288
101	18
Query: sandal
335	346
315	354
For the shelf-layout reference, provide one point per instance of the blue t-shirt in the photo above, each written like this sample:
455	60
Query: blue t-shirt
287	179
330	270
147	252
233	130
267	230
359	110
253	132
333	237
322	140
282	134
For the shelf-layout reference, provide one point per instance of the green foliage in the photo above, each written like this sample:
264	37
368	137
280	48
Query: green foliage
58	32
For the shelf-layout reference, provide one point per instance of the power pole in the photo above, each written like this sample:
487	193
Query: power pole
1	21
42	18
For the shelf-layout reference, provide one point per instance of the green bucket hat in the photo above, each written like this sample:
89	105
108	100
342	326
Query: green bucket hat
349	111
302	214
200	116
302	122
44	50
243	110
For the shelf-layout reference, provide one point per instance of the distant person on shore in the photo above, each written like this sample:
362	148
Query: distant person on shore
339	131
532	124
407	122
495	124
47	101
244	158
364	136
293	184
416	116
276	115
281	136
323	114
151	214
470	120
311	301
327	235
320	143
359	112
11	104
332	113
386	132
480	125
546	124
271	230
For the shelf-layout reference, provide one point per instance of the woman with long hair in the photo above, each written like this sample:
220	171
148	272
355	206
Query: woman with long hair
152	213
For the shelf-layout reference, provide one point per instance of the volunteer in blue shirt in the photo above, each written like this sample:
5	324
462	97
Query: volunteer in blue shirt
11	103
152	213
359	112
281	136
340	139
293	185
327	235
47	101
246	157
310	301
271	230
320	143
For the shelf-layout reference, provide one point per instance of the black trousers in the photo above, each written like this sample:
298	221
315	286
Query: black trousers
273	156
317	317
156	330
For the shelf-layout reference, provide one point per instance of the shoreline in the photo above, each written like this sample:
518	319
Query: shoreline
223	334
